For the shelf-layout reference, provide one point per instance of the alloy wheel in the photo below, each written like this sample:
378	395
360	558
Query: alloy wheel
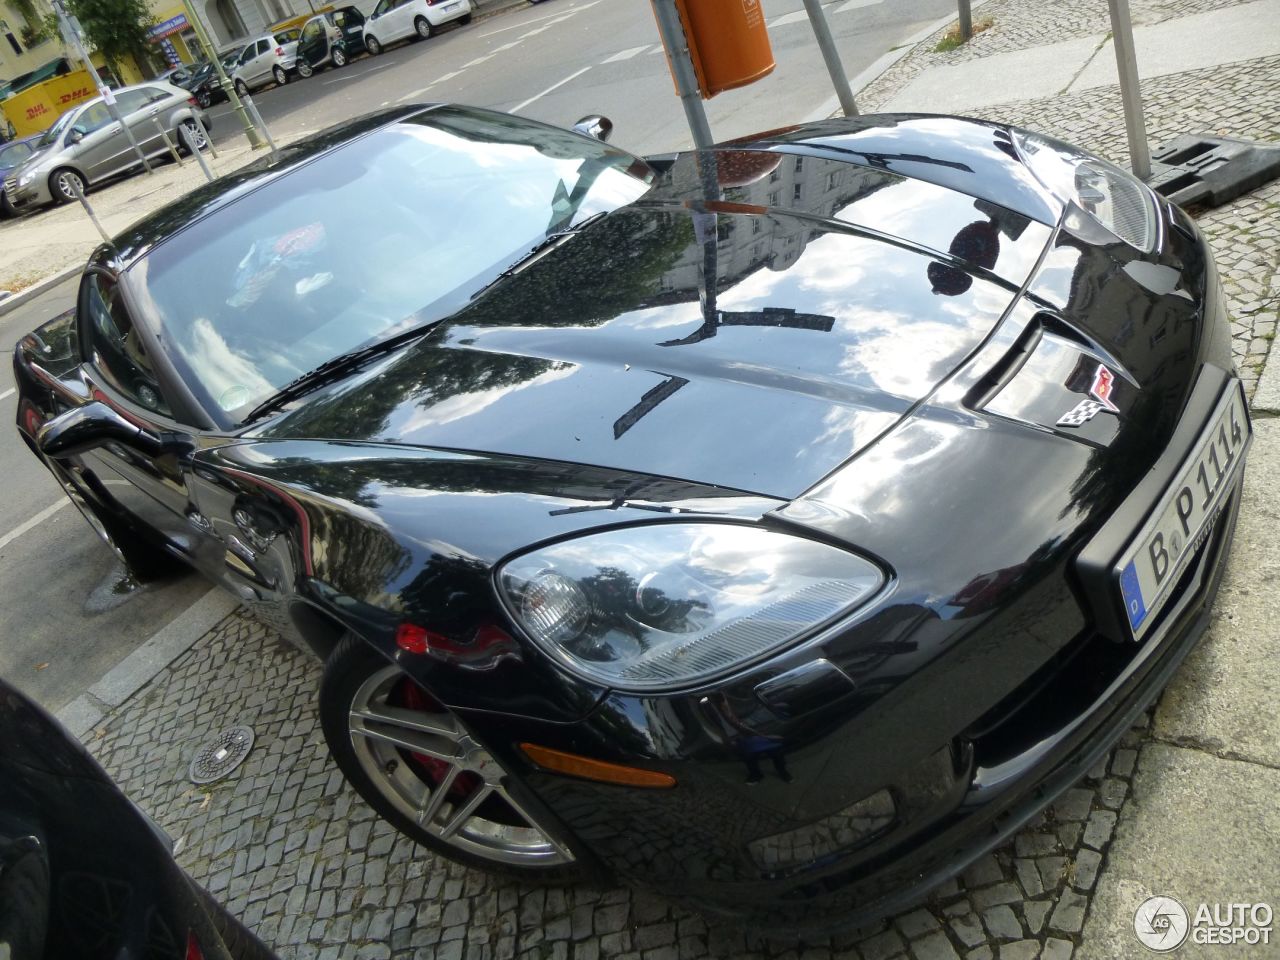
242	88
424	28
419	756
66	184
281	77
339	57
305	69
195	134
372	45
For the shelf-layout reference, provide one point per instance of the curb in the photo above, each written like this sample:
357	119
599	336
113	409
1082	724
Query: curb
15	300
880	67
138	669
1266	396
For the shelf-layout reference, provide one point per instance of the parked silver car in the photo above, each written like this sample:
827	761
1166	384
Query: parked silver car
267	59
86	145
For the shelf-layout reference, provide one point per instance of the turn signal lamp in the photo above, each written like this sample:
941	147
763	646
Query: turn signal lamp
601	771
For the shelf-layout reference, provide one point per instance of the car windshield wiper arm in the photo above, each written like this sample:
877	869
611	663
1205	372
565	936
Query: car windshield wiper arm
541	248
337	368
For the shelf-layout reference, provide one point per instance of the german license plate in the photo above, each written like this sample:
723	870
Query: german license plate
1186	513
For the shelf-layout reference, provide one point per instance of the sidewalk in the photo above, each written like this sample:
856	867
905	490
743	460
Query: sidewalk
1185	806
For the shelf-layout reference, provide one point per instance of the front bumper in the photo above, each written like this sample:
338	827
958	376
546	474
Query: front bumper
33	193
723	839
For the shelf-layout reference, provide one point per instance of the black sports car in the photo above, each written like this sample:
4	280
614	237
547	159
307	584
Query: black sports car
778	526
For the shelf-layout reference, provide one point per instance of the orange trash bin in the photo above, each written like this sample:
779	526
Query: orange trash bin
728	42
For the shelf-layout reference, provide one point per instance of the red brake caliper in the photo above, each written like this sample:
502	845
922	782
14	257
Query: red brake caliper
413	697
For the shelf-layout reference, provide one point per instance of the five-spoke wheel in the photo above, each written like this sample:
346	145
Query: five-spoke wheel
418	765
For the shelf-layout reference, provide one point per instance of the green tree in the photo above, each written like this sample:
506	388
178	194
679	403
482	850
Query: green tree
117	28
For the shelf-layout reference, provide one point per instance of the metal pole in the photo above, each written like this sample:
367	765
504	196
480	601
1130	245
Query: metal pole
677	46
213	151
185	132
831	56
255	141
71	34
1135	123
257	118
167	142
966	21
89	210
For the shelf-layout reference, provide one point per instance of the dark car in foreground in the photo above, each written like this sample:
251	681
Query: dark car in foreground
778	526
83	872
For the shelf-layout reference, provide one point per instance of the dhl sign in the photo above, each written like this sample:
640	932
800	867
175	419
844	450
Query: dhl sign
36	108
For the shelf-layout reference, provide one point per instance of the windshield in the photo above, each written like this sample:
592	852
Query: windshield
55	131
387	233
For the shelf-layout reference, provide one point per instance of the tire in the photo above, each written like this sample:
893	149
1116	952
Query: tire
280	75
204	99
6	211
372	45
305	69
239	940
465	20
339	57
242	88
197	137
466	810
60	184
422	26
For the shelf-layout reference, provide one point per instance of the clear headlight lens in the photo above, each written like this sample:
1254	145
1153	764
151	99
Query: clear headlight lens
666	605
26	178
1117	200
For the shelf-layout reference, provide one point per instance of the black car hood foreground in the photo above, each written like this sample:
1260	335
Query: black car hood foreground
843	294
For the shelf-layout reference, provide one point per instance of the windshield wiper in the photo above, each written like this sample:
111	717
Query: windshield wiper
541	249
338	368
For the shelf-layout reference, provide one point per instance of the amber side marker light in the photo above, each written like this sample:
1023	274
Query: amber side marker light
575	766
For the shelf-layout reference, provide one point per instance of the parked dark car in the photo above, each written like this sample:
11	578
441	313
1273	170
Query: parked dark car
778	526
13	154
83	872
330	39
205	85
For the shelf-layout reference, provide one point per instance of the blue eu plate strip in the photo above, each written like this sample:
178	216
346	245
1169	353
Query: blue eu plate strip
1132	593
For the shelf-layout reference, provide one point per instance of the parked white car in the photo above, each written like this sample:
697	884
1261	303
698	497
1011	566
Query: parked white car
267	59
394	20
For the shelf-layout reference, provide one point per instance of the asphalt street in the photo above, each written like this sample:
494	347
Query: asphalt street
67	619
565	59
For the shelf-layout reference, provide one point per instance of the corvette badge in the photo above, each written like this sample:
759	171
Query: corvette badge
1099	399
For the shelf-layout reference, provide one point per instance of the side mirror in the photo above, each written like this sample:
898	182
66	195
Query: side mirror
83	428
75	136
594	126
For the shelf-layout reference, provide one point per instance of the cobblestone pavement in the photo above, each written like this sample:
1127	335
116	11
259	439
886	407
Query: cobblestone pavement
290	848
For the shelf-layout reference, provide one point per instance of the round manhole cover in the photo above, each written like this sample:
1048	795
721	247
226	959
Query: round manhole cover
221	755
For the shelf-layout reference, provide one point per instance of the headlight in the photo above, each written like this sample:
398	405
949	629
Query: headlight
26	178
1117	200
666	605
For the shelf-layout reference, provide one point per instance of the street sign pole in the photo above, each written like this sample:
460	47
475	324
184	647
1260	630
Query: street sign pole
966	20
831	56
250	131
70	29
1135	123
677	46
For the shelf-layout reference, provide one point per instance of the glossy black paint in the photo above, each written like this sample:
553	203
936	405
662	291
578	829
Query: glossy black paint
862	332
83	873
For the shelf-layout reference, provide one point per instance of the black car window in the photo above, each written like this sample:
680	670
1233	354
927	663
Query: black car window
116	348
95	117
351	247
14	154
156	94
263	46
132	100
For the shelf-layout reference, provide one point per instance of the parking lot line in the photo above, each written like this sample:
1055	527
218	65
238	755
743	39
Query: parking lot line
35	521
525	23
8	393
555	86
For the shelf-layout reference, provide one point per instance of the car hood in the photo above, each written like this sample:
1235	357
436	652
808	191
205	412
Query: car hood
755	341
